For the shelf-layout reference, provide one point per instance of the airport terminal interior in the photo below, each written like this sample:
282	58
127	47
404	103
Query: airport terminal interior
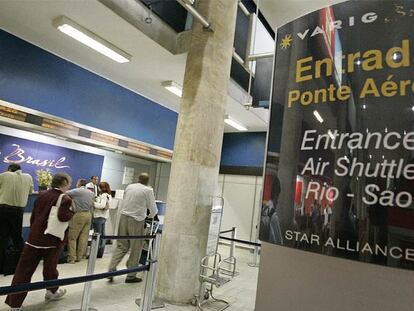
206	155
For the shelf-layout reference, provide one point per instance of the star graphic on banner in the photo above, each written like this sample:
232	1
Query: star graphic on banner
286	42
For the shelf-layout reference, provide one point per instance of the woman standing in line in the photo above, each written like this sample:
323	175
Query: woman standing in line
100	213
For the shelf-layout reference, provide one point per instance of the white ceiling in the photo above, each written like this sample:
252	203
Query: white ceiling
151	64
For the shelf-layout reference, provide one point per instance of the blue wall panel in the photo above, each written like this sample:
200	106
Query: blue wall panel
34	78
243	149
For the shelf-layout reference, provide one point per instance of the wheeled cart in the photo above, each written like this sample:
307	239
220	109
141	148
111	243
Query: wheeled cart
211	270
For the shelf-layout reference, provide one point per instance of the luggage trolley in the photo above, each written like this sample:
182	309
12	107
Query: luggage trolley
152	227
211	269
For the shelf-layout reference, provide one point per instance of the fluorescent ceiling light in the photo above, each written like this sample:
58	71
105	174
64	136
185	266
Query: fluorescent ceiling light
173	87
235	124
318	116
90	39
49	134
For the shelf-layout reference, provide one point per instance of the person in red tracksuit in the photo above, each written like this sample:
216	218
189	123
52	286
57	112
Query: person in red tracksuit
43	246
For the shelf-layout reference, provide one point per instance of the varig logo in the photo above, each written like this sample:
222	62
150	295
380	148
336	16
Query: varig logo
328	25
337	24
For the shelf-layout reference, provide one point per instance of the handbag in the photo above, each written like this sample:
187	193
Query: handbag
56	227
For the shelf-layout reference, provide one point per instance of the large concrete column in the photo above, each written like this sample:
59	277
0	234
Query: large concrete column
197	150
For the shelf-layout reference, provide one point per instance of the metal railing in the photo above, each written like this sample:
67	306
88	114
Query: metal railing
255	244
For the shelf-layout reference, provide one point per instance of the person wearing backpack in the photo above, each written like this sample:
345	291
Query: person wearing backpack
42	246
101	213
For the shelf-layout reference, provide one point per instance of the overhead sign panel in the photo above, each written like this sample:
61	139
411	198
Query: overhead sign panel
340	163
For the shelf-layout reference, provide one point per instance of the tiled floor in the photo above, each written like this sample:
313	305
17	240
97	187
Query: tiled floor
118	296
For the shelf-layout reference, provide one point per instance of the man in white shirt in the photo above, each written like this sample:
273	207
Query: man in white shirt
93	185
138	198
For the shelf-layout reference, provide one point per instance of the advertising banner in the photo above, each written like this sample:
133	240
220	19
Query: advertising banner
339	176
32	156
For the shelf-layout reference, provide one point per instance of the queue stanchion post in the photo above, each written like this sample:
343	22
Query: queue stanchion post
233	236
143	302
231	261
155	303
87	290
148	300
255	262
232	248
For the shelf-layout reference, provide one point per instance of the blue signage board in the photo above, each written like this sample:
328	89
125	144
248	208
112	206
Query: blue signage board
33	155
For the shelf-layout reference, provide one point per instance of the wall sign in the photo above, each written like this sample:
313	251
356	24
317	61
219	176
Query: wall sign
340	162
215	223
128	176
33	156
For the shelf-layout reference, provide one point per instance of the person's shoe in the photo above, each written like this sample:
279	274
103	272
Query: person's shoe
110	278
56	295
133	280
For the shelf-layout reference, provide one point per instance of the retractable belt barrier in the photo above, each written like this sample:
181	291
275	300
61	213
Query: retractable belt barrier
227	231
132	237
28	287
241	241
87	279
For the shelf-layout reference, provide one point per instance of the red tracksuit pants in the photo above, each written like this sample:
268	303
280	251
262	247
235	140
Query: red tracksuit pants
29	260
